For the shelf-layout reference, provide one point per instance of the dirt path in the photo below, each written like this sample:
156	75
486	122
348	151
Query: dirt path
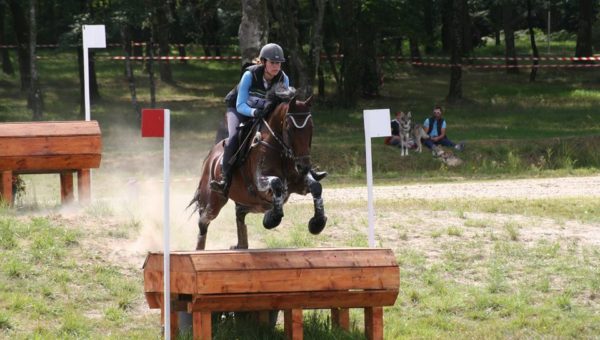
520	188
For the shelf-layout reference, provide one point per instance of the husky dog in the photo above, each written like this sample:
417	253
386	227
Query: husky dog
404	121
418	133
447	157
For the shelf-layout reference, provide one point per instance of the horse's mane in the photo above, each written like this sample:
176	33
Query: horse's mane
278	94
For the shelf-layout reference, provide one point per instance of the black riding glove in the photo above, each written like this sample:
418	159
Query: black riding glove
258	114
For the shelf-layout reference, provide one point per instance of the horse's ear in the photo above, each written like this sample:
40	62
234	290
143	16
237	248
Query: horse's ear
308	102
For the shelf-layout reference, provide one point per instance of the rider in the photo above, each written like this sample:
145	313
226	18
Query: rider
250	102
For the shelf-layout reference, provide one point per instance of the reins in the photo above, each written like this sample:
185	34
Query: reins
286	150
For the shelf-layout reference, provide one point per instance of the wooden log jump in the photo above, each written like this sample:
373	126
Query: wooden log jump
50	147
291	280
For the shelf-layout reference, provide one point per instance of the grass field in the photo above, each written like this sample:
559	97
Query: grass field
470	268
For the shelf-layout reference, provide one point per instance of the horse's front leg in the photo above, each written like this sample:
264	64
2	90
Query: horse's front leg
318	221
273	217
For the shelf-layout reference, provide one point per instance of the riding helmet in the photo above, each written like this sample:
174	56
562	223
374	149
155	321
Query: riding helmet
272	52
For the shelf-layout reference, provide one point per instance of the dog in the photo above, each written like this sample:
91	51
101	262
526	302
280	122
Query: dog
405	122
419	133
447	157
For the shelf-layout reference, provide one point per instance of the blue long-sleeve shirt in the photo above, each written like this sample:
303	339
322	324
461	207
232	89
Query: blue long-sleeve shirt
241	104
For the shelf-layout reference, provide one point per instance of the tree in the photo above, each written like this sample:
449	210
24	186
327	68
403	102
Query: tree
253	32
21	30
35	92
456	45
7	66
584	32
509	18
534	49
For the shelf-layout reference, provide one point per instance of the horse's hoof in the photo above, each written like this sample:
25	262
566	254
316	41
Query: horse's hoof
270	221
317	224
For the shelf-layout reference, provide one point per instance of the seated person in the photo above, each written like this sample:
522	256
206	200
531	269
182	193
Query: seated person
436	129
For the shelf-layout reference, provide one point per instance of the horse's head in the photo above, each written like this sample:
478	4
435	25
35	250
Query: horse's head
297	133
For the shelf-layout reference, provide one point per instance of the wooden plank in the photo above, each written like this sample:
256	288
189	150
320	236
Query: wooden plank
293	324
42	164
47	146
202	325
181	283
306	300
66	187
153	300
307	258
174	324
179	263
84	186
340	318
6	185
374	323
317	279
35	129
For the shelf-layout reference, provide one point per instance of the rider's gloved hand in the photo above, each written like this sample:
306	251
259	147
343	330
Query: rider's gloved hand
258	113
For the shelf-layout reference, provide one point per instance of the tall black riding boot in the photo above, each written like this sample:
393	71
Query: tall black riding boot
222	186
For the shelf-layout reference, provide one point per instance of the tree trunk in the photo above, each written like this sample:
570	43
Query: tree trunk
7	66
150	69
21	30
455	91
429	25
127	48
286	11
316	45
415	54
534	49
253	32
161	33
584	32
35	92
350	48
467	41
508	14
447	28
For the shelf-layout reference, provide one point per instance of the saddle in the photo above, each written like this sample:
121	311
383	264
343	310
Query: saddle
245	131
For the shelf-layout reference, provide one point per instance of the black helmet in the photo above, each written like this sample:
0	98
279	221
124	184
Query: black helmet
272	52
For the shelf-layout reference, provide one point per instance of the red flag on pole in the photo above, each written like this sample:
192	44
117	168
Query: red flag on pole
153	122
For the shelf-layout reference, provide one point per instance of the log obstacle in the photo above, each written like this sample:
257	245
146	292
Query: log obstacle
262	280
50	147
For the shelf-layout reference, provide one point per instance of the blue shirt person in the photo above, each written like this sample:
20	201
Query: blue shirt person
435	127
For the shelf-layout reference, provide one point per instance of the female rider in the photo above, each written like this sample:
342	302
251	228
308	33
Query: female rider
250	101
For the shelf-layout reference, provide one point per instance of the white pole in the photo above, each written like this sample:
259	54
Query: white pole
370	192
86	81
166	227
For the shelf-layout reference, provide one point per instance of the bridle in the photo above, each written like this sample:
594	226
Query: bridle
286	150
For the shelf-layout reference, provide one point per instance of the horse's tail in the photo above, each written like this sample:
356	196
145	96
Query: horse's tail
195	200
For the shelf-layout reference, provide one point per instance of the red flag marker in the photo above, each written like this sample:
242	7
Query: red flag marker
153	122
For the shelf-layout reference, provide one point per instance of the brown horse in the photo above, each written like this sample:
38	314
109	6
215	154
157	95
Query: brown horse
276	165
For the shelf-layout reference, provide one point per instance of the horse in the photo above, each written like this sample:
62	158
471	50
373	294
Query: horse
277	164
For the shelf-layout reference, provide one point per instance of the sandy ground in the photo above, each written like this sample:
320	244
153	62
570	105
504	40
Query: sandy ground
505	189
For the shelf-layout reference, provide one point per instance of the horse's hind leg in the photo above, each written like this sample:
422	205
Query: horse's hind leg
203	230
242	230
318	221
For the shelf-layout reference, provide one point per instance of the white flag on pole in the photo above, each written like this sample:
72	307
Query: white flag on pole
377	124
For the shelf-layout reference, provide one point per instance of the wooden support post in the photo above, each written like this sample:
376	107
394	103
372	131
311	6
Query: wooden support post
293	324
202	327
264	317
83	186
66	187
174	324
340	317
374	323
7	186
